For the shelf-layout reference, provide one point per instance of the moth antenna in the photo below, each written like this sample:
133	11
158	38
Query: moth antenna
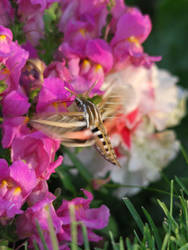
69	90
90	89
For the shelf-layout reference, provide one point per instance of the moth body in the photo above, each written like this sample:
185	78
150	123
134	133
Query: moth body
95	124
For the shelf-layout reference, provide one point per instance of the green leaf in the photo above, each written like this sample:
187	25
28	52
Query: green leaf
153	228
65	179
41	235
181	185
35	245
85	237
114	245
134	214
53	236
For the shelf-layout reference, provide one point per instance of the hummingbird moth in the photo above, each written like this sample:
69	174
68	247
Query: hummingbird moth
83	115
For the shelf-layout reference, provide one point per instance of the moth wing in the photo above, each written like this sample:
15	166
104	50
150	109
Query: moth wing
77	142
116	99
58	125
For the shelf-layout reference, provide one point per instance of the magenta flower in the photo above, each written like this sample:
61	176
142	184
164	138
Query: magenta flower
12	100
53	96
84	17
57	70
16	183
6	12
39	212
13	58
13	127
90	66
31	13
132	29
29	47
37	150
14	123
34	29
30	7
5	42
93	218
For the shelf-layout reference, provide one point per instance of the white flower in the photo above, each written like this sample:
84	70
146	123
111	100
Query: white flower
153	102
155	94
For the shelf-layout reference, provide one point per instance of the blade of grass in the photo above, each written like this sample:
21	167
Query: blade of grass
181	185
52	231
184	153
78	164
165	241
121	245
171	196
41	235
65	179
112	241
35	245
148	237
134	214
128	244
85	237
25	245
153	228
73	228
184	247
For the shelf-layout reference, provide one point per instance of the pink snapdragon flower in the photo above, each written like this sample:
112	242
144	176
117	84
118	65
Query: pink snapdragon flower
5	42
92	218
12	59
16	183
14	105
40	211
132	29
6	12
53	96
31	49
37	150
83	18
31	13
90	66
59	70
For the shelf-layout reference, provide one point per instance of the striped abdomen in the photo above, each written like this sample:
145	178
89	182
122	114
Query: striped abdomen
102	141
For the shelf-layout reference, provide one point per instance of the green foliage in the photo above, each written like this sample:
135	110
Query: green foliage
52	38
172	235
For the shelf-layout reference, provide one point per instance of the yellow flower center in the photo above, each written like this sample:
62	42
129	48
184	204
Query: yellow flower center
77	207
85	63
2	38
98	67
26	120
83	32
133	39
17	190
4	183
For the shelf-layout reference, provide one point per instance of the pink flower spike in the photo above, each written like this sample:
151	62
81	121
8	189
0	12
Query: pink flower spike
53	96
38	151
16	183
39	212
5	42
93	218
99	51
12	100
13	127
6	12
132	24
